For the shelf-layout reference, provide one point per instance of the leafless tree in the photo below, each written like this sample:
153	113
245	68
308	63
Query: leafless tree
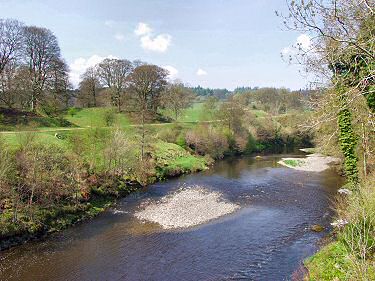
11	41
113	74
146	84
11	44
41	53
89	87
58	84
177	97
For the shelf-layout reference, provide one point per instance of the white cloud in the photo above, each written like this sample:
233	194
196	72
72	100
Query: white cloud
142	29
201	72
79	66
302	44
173	72
119	37
156	43
159	43
109	23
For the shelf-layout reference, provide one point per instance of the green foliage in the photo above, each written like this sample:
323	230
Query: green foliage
208	140
359	234
172	160
109	117
72	111
293	163
251	144
371	98
348	143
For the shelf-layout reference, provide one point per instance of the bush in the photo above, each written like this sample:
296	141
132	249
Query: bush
251	144
205	139
109	117
72	111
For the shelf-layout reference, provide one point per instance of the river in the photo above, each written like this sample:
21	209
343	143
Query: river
266	239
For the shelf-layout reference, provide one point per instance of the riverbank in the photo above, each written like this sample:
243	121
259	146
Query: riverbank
350	253
312	163
269	229
98	191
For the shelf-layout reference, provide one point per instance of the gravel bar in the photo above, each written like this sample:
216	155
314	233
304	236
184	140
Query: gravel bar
186	208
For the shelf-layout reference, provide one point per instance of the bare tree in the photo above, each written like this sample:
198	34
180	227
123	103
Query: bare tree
113	74
11	41
89	87
146	84
177	97
231	112
7	85
41	53
58	84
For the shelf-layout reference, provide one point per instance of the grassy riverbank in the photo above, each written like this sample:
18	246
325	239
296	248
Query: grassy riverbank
85	194
53	177
351	253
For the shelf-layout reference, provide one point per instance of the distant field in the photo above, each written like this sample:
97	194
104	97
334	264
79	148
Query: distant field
77	120
192	114
95	117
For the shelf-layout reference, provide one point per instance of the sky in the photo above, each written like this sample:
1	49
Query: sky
212	43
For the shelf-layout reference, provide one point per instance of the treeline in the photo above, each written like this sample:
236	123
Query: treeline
133	87
272	100
34	77
32	72
275	100
208	92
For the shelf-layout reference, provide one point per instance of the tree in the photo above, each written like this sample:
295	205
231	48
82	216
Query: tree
11	41
41	53
89	87
59	85
210	106
11	44
7	85
341	50
177	97
146	84
231	112
114	75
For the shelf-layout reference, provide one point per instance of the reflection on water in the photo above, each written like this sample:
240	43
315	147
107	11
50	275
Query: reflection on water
265	240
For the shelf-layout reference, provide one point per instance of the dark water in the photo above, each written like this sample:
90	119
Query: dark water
265	240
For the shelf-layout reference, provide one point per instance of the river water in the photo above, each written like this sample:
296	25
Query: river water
266	239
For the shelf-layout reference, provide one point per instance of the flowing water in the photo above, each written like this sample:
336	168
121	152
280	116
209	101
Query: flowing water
266	239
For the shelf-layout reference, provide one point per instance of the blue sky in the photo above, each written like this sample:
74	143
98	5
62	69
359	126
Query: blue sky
213	43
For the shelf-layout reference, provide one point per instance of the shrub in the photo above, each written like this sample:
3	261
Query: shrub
109	117
120	154
251	144
206	139
72	111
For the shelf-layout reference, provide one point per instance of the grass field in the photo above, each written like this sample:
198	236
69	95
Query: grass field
96	117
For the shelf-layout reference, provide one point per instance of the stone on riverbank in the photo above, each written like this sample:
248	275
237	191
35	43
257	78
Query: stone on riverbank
186	208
